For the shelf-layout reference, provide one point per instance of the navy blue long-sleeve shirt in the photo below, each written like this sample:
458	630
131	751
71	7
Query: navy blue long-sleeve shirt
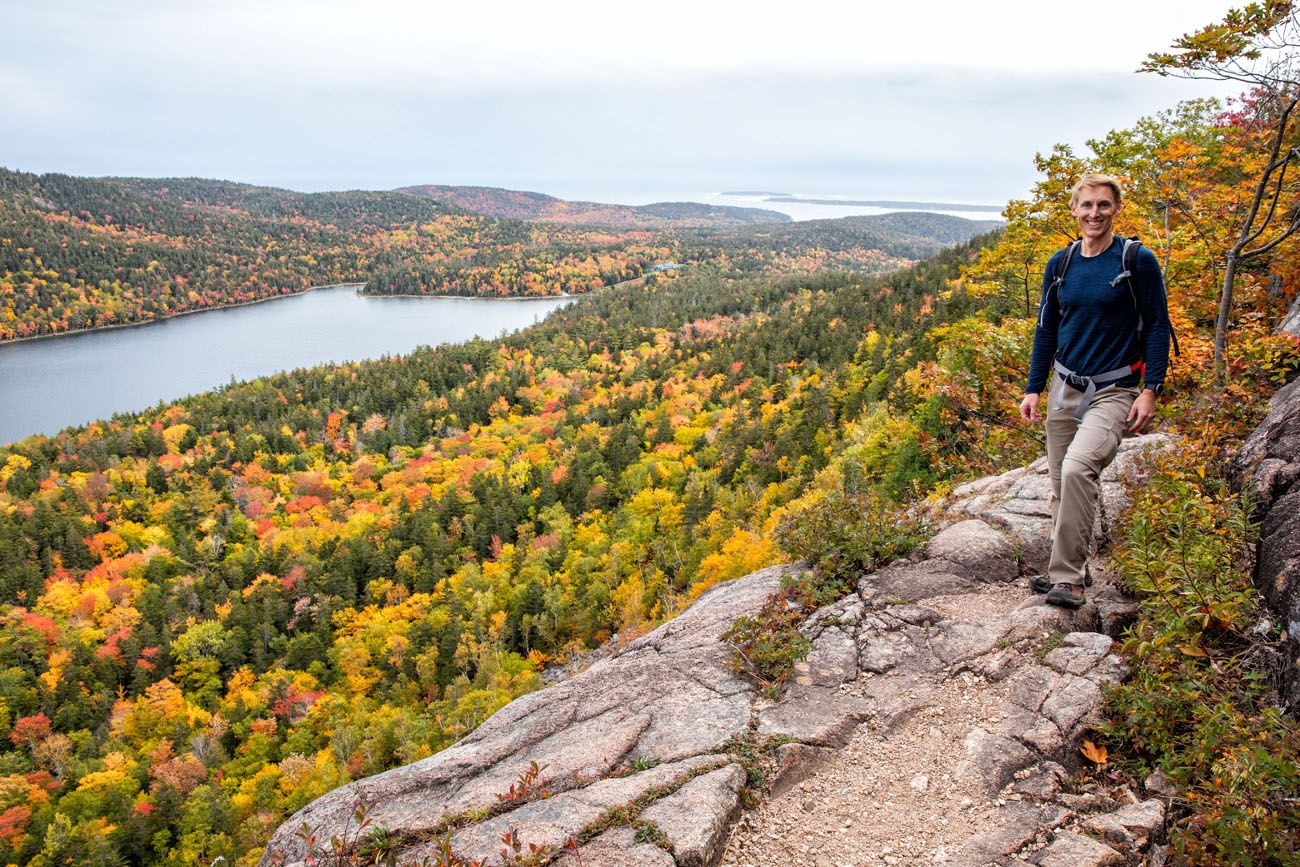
1092	327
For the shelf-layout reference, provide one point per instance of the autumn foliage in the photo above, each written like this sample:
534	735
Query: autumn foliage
81	253
219	609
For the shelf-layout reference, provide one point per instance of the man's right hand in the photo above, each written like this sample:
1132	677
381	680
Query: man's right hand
1029	408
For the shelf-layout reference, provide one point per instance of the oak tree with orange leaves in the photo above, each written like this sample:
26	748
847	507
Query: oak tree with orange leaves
1256	46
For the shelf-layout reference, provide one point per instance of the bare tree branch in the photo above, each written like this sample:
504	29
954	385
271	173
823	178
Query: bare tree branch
1272	208
1262	186
1286	233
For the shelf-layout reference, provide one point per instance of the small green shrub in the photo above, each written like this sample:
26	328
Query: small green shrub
1196	704
845	535
1050	643
768	644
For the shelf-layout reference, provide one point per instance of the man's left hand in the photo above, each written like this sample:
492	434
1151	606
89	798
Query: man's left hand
1142	410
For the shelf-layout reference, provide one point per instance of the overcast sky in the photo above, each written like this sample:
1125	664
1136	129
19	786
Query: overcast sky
607	100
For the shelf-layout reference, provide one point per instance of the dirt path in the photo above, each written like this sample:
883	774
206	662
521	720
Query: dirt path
890	796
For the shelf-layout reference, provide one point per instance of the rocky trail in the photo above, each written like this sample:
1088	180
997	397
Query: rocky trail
961	758
937	720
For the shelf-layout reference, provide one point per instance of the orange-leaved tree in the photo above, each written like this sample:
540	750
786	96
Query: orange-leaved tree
1256	46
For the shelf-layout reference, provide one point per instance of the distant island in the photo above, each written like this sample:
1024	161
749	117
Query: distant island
756	193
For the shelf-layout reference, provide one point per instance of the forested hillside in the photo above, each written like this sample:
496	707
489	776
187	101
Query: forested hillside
849	243
82	253
220	609
864	245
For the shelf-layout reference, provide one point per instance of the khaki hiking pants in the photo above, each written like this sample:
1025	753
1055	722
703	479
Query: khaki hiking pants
1077	452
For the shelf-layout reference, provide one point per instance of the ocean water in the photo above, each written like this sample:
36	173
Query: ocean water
828	206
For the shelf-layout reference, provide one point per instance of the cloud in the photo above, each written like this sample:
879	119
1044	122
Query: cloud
521	44
578	95
29	96
517	41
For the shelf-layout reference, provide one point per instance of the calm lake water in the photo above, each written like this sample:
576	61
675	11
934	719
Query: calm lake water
47	385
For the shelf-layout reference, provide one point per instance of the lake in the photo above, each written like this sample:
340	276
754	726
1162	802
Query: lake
47	385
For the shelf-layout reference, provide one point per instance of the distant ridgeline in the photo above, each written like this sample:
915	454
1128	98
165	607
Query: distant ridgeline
215	611
82	253
539	207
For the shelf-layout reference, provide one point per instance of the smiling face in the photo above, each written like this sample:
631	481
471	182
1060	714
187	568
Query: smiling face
1095	208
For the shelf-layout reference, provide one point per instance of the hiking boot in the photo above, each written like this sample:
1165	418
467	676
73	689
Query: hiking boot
1043	584
1066	596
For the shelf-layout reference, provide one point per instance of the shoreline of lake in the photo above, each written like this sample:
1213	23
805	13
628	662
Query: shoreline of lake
298	293
48	385
559	297
171	316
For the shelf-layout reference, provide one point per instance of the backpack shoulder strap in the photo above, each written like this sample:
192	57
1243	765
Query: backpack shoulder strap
1128	262
1063	264
1129	268
1058	276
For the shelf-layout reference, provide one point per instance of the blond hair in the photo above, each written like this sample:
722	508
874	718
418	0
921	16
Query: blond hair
1097	180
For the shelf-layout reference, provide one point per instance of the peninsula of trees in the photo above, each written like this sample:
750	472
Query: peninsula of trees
85	253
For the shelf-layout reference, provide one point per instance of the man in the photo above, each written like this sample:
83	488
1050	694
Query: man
1105	332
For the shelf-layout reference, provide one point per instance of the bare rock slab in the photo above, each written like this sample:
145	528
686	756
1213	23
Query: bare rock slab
1079	652
1277	439
993	758
1268	465
667	696
548	823
1132	825
618	848
914	582
814	715
833	659
1016	824
977	547
697	817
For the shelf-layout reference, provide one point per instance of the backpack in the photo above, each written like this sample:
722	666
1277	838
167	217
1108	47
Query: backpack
1128	263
